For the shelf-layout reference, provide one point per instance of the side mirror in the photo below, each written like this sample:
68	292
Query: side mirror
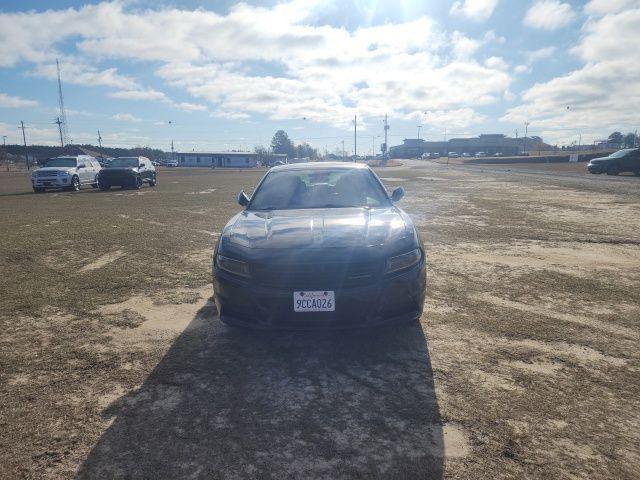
82	165
243	200
141	165
397	194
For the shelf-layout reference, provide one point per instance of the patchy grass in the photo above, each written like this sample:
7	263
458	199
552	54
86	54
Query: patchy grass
525	364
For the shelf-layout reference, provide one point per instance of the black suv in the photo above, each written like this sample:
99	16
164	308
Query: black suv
627	160
127	172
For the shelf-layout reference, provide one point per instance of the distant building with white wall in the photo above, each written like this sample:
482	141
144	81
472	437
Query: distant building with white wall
217	159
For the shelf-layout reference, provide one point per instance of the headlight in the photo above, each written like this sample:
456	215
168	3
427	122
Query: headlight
401	262
62	173
237	267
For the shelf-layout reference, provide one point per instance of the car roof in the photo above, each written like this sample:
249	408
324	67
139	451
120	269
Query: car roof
319	166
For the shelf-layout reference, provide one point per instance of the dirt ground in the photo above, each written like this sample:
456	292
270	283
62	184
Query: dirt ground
525	363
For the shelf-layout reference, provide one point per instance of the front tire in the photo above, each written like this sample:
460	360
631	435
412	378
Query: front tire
75	184
104	187
153	181
137	183
613	170
95	183
38	189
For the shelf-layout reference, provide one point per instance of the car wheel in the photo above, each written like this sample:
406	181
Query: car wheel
104	187
38	189
612	170
75	184
153	181
137	183
95	183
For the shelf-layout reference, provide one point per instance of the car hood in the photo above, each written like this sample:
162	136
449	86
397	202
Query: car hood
119	170
599	159
319	229
55	169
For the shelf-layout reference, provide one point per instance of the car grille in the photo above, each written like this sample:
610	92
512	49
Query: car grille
315	276
47	174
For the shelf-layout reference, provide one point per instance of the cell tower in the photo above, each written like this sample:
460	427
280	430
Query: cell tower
63	116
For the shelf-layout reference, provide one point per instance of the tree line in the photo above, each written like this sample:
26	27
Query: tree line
282	144
629	140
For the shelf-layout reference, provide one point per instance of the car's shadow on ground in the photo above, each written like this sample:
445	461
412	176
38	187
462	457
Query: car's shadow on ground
226	403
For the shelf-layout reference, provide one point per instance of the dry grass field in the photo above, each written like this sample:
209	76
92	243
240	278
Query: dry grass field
525	363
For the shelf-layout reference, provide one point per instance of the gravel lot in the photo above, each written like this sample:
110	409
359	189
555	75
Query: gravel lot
525	363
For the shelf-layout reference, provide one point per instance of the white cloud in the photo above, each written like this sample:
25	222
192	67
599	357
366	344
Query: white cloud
77	72
126	117
9	101
392	68
603	7
474	9
139	95
602	95
190	107
549	14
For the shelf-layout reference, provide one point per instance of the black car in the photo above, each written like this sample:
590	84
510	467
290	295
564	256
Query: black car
319	245
128	172
627	160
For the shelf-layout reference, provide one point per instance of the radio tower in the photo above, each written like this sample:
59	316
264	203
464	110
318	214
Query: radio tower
63	116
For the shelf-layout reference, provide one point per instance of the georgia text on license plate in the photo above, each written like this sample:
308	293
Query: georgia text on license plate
317	301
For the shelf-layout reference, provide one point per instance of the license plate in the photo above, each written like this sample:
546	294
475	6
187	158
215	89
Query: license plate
320	301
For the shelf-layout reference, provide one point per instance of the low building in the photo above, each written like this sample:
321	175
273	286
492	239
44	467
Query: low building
490	144
217	159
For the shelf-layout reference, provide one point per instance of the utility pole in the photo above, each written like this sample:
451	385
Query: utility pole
60	123
343	150
26	151
419	127
355	138
373	146
386	144
4	149
172	156
63	115
526	130
99	140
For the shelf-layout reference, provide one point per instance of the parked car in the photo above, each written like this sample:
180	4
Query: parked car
129	172
627	160
480	154
498	154
67	172
453	155
319	245
172	163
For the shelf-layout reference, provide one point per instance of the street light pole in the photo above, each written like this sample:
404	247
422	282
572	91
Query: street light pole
524	145
355	138
419	127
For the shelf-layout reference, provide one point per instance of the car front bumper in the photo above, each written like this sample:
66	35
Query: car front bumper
389	300
51	182
595	168
116	178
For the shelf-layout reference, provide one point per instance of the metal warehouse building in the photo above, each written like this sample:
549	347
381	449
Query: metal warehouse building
217	159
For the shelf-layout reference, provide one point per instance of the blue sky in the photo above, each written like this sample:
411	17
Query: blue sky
228	75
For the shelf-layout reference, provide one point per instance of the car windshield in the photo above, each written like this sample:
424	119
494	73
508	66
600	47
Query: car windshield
124	162
622	153
319	188
61	162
